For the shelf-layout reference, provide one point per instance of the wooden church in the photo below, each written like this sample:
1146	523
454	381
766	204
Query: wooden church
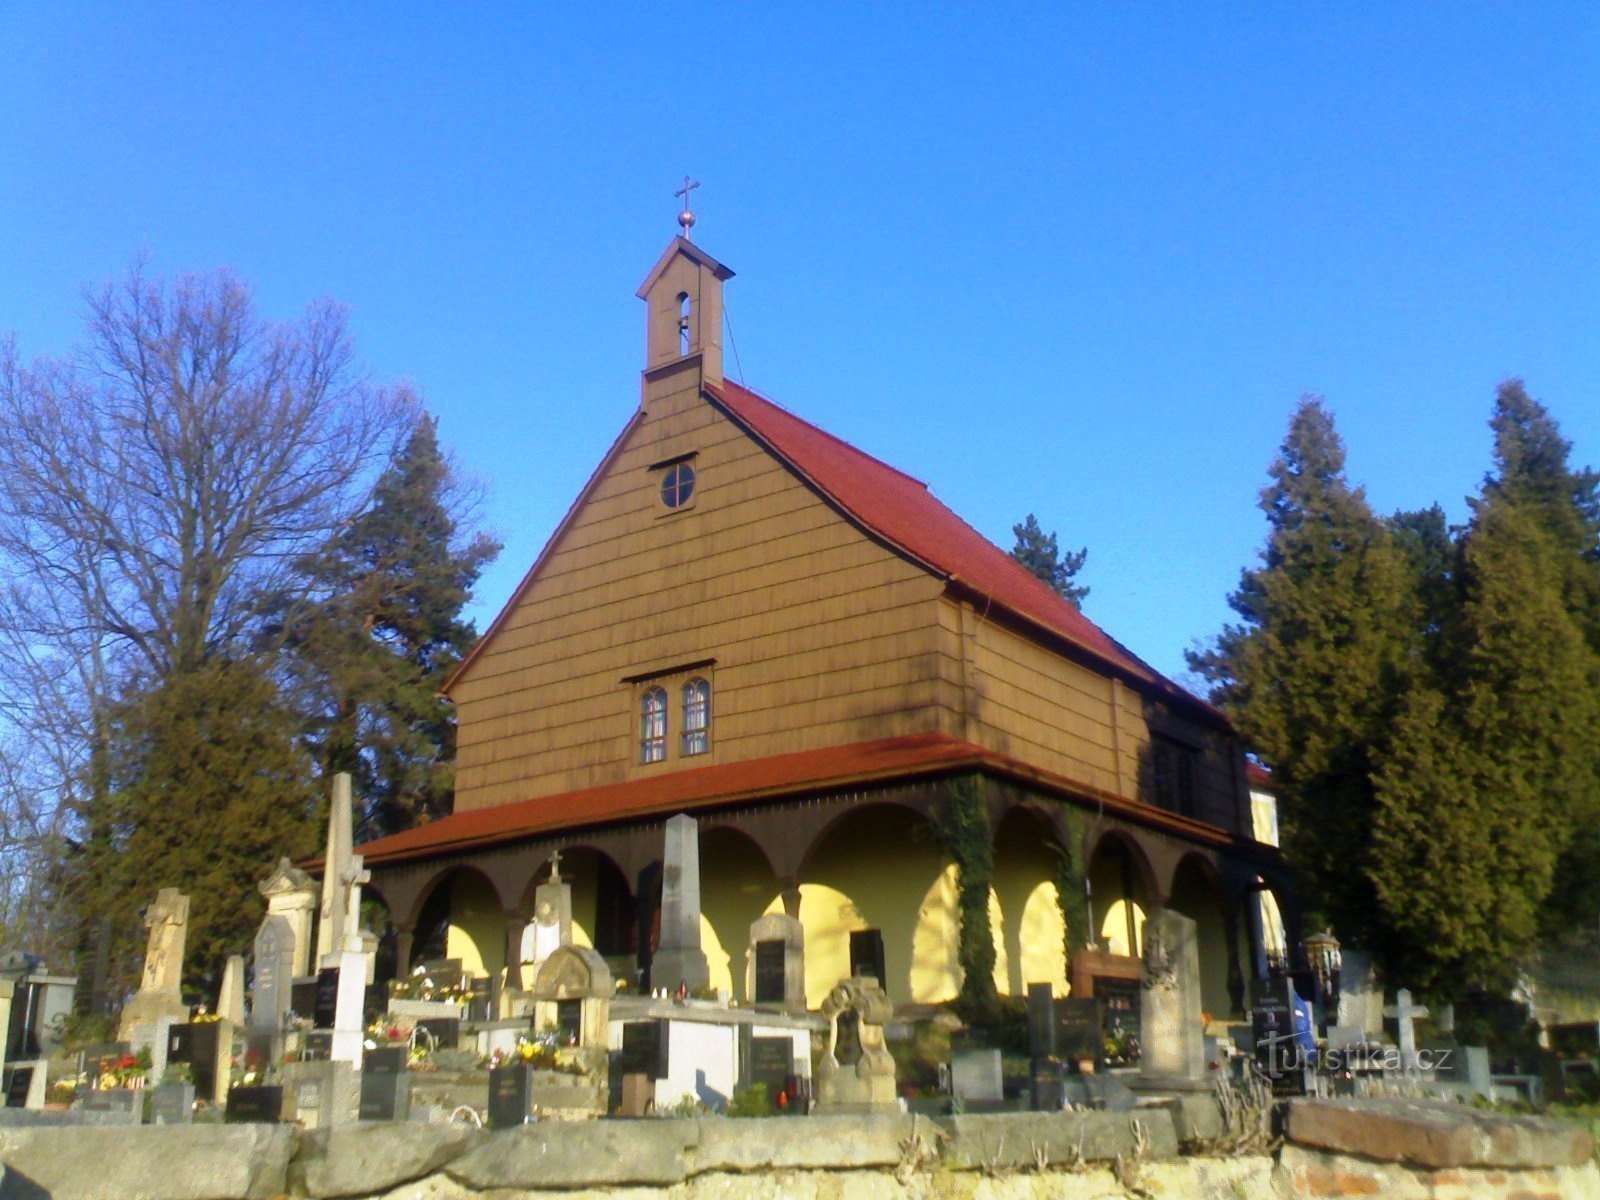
747	620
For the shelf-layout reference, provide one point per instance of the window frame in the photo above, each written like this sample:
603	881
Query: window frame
653	709
695	736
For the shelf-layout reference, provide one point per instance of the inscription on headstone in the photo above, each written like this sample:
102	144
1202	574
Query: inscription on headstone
644	1049
510	1096
385	1095
254	1105
1080	1032
771	1062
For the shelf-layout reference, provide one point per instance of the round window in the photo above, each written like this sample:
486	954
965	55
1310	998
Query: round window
677	485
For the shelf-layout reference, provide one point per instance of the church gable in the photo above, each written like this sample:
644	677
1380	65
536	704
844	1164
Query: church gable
694	557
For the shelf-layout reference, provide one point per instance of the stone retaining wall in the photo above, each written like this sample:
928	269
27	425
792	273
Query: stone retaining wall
1402	1150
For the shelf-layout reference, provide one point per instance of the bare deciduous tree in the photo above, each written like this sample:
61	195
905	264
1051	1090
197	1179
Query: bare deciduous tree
159	488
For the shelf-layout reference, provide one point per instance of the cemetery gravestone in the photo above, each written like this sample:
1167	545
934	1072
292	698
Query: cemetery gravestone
1171	1024
1404	1013
1080	1035
866	1084
771	1061
291	897
777	972
325	1007
1278	1053
172	1104
510	1096
254	1105
975	1077
160	985
680	960
385	1096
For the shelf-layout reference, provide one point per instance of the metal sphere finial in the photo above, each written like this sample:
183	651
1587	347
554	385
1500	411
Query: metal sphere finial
686	217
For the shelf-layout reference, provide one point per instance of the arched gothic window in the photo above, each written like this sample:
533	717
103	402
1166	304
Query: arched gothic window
696	716
653	726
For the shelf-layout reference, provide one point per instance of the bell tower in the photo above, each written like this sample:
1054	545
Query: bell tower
683	298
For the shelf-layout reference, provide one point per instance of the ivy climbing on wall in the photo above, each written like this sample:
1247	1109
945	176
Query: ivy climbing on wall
964	831
1072	891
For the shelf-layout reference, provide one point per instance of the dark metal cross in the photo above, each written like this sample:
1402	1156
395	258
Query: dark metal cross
686	217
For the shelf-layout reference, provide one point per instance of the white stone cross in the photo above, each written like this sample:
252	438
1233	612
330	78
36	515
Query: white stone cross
1404	1013
555	867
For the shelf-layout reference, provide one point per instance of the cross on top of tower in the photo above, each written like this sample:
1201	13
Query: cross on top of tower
686	217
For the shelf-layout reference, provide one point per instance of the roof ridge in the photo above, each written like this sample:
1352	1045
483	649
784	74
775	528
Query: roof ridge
832	437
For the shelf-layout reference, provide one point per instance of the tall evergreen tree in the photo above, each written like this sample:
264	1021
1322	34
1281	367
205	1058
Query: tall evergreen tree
1039	552
1476	796
1313	672
209	786
397	578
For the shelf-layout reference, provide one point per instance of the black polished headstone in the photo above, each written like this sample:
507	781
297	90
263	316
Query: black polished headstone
384	1060
385	1096
93	1060
866	955
205	1053
771	964
18	1080
510	1096
316	1045
254	1105
180	1043
1041	1020
1047	1085
1278	1055
303	997
771	1062
1080	1034
644	1049
325	1005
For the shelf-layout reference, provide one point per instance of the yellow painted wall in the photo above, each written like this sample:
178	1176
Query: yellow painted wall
736	886
1031	936
477	930
935	947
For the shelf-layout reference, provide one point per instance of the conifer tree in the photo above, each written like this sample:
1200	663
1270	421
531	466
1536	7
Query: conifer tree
391	630
1313	672
210	786
1039	552
1477	794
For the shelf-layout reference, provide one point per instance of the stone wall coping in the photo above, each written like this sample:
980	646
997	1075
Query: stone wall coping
1435	1134
254	1162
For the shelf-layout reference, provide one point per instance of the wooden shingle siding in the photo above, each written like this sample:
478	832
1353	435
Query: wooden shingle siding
820	636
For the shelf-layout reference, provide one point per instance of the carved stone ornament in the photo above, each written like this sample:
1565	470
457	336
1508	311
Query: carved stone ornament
1160	962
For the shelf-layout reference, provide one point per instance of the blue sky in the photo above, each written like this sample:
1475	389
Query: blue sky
1074	260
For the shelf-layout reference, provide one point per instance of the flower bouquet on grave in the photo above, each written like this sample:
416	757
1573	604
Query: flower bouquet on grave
127	1071
422	986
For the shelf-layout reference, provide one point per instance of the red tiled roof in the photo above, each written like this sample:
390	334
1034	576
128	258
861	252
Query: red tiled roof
808	773
903	512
